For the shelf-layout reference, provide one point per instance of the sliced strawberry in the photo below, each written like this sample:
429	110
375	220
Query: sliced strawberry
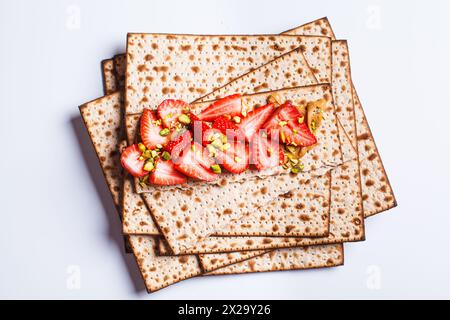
255	120
266	153
165	174
130	161
225	125
179	142
195	164
231	106
169	111
301	135
199	130
150	130
209	135
236	159
284	124
202	155
285	112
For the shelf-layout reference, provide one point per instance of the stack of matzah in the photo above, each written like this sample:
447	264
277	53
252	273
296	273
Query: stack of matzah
241	224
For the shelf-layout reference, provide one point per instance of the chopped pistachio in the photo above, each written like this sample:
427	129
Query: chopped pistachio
142	147
165	156
184	119
301	119
187	110
193	147
301	166
292	149
244	113
226	146
295	170
141	158
224	138
283	137
217	143
282	123
237	159
211	150
313	126
216	168
149	166
154	153
159	146
168	116
147	154
164	132
237	119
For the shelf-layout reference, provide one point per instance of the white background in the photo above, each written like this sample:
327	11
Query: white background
57	218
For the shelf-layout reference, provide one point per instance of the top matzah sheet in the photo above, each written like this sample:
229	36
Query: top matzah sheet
163	66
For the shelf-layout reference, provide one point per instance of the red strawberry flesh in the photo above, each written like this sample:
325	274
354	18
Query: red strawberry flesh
284	124
225	125
236	159
196	163
230	105
165	174
266	153
150	130
255	120
130	161
169	111
179	143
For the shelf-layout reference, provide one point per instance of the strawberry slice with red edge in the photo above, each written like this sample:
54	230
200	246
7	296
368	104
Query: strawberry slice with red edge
298	134
236	159
285	112
169	111
230	105
130	160
194	162
165	174
255	120
284	123
199	130
226	126
178	143
266	153
150	129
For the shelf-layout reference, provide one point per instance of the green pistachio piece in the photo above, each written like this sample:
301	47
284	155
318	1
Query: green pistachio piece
295	170
164	132
283	137
154	153
184	119
216	168
149	166
217	143
142	147
165	156
147	154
